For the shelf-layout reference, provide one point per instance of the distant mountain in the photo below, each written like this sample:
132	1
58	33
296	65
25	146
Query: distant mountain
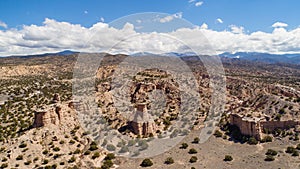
171	54
264	57
62	53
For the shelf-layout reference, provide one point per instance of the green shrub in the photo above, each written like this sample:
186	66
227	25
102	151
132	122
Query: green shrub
252	141
146	163
107	164
295	153
169	160
4	165
72	159
218	133
290	149
45	152
46	161
228	158
184	146
87	152
269	158
56	149
266	139
96	155
192	151
271	152
110	156
77	151
193	159
20	157
111	147
196	140
22	145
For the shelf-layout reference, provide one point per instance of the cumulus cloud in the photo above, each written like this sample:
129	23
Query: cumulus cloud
3	24
219	20
279	25
199	3
204	26
169	18
236	29
102	19
54	36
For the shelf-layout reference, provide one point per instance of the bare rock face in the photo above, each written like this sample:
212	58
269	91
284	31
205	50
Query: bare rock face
142	123
58	114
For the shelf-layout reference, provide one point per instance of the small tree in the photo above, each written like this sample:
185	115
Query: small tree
110	156
192	151
228	158
252	141
169	160
269	158
184	146
290	149
196	140
193	159
146	163
271	152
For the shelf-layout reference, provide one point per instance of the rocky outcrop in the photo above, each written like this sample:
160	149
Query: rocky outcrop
142	123
59	114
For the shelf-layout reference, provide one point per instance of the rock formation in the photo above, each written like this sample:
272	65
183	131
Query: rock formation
142	123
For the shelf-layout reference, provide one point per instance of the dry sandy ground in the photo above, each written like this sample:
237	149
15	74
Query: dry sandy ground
211	154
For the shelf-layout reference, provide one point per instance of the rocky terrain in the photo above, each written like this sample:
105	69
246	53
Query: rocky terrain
40	128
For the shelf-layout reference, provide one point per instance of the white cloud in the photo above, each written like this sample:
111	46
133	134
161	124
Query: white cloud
204	26
191	1
138	21
199	3
169	18
236	29
219	20
2	24
55	36
279	25
102	19
85	12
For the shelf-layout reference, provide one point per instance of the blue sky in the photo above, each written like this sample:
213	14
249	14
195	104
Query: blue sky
253	15
217	26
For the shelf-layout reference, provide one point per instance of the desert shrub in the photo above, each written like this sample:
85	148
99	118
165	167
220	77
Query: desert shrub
27	162
56	149
107	164
45	152
228	158
4	165
93	147
252	141
269	158
193	159
266	139
72	159
110	156
87	152
192	151
290	149
218	133
22	145
295	153
96	155
196	140
46	161
111	147
184	146
271	152
169	160
20	157
146	163
77	151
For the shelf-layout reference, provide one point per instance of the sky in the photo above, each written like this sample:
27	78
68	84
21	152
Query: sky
34	26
